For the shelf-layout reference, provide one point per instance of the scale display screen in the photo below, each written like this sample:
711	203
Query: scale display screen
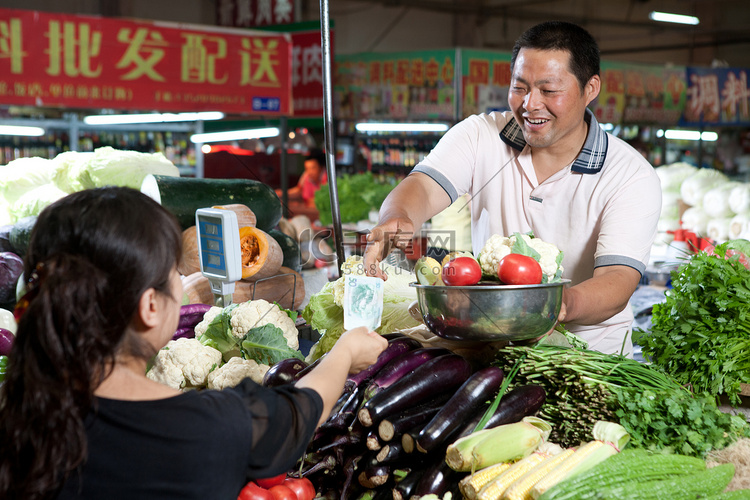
212	246
218	244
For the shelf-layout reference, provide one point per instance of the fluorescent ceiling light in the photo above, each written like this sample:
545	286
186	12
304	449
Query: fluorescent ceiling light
21	130
401	127
152	118
689	135
666	17
235	135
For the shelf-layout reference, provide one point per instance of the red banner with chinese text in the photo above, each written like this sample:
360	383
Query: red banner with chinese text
307	76
94	62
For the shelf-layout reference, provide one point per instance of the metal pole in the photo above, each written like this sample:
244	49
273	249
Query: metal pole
284	133
325	36
200	172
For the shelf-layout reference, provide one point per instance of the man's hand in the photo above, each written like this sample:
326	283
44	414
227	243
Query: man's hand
396	232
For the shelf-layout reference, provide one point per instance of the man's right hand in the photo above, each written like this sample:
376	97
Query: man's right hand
394	232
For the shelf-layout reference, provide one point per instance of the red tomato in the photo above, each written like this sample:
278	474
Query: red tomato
281	492
302	487
517	269
462	271
252	491
267	482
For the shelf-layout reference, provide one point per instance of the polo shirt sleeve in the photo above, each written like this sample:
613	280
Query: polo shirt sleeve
453	161
629	220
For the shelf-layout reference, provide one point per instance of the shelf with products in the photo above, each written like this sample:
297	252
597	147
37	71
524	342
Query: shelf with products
385	151
70	134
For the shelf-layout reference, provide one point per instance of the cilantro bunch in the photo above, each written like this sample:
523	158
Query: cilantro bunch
677	422
701	334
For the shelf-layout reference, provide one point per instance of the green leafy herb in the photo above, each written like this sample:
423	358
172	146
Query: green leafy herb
358	195
701	333
677	422
267	344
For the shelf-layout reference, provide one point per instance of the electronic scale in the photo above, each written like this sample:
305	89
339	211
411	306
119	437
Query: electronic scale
219	251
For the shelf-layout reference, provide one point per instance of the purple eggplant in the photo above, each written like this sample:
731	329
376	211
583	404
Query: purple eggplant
283	372
6	341
400	367
442	374
392	427
343	416
465	402
409	439
187	332
372	441
11	268
395	455
404	488
308	368
192	314
374	475
396	347
350	470
325	463
436	480
520	402
393	336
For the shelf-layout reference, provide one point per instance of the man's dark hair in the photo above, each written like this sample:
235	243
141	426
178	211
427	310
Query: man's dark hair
560	35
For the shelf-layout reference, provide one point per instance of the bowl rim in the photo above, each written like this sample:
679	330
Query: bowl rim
484	287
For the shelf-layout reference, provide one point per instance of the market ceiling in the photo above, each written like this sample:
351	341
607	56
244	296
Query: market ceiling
620	26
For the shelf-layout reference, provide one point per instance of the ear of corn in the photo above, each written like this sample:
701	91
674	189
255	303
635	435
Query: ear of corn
471	484
494	489
520	489
611	432
584	458
503	443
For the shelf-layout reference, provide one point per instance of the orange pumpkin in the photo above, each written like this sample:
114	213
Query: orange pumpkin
245	216
261	254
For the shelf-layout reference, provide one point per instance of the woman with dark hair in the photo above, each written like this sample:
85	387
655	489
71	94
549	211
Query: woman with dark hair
78	416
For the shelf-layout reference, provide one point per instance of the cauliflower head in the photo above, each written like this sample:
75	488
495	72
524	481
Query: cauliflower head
492	253
256	313
208	316
184	363
547	254
235	371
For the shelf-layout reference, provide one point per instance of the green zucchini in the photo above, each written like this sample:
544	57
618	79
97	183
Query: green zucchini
184	195
290	249
20	235
730	495
626	466
703	483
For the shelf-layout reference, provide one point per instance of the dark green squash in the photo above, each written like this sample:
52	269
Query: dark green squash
184	195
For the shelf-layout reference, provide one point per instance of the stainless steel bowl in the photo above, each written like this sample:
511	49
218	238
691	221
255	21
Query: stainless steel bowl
490	312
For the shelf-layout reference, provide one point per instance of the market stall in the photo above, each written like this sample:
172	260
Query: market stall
466	400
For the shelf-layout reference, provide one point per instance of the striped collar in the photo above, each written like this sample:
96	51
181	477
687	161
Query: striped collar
592	156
